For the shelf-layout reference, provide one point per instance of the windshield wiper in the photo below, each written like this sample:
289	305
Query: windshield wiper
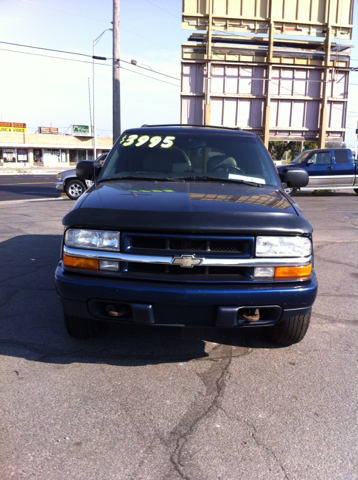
183	179
218	179
133	177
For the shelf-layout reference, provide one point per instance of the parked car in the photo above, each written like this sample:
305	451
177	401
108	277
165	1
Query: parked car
68	182
328	169
188	226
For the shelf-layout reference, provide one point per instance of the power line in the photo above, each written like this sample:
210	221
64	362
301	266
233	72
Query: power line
48	49
172	14
155	43
90	63
81	54
158	73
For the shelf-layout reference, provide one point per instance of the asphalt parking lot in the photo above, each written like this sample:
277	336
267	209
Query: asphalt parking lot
158	404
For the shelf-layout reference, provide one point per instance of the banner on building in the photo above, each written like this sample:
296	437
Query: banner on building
13	127
19	127
82	131
5	127
48	130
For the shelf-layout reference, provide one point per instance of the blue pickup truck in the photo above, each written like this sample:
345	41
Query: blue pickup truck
328	169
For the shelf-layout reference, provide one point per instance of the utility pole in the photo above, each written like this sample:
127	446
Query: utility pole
116	74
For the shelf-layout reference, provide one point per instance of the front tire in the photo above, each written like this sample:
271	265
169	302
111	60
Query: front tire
290	191
78	327
290	331
74	189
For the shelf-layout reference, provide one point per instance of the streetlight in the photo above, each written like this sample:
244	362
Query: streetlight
94	95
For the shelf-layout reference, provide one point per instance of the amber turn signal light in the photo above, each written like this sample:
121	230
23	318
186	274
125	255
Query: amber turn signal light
77	262
299	273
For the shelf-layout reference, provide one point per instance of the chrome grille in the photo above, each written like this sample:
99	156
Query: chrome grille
178	270
141	243
173	245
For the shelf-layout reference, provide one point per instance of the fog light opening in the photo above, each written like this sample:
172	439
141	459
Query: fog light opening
250	314
118	310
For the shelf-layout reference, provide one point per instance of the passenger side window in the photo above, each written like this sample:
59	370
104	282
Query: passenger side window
341	156
321	158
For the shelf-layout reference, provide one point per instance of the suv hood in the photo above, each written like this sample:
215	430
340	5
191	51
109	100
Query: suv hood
195	207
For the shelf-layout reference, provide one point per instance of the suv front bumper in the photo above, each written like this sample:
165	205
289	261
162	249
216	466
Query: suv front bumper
182	304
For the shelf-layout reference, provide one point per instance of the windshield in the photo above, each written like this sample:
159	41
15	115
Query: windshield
301	158
185	155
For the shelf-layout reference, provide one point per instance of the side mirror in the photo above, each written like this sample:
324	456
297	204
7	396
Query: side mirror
294	177
87	170
309	161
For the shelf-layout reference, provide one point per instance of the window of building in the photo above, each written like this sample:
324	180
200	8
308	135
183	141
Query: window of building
37	155
22	155
79	155
9	155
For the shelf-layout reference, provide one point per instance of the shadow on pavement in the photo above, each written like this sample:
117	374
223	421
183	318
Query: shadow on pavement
32	326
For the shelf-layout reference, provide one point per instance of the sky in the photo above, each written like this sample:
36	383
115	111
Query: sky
48	88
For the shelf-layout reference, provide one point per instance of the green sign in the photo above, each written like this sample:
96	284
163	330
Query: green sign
82	131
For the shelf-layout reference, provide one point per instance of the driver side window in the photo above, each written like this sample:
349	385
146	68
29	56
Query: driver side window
321	158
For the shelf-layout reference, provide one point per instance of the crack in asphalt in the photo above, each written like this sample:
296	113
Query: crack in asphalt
214	381
333	261
34	268
253	435
9	298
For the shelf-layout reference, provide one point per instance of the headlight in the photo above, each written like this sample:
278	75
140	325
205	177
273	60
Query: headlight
283	247
98	239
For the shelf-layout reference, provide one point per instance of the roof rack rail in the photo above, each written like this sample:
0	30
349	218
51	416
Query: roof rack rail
192	125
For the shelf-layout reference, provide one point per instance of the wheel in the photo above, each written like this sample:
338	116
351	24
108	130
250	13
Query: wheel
290	191
74	188
291	330
356	191
79	327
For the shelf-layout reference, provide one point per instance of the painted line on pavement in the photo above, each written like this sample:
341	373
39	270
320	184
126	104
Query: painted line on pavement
33	200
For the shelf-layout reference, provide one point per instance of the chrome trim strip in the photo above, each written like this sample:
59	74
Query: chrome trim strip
332	176
205	262
330	187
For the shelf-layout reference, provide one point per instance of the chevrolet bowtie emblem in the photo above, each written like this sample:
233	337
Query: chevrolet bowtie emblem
187	261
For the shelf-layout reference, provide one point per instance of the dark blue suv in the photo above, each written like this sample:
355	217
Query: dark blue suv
187	226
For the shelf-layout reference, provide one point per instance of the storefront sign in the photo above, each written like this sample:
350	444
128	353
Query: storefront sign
19	127
13	127
49	130
81	131
5	127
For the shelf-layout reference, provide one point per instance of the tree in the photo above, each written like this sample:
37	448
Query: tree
336	145
278	149
310	145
